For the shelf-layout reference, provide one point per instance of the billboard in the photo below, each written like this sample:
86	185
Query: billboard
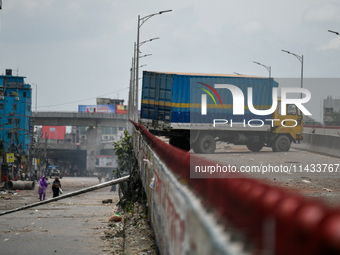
122	109
97	108
54	132
107	161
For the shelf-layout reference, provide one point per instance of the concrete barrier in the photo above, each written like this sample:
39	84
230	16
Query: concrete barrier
322	144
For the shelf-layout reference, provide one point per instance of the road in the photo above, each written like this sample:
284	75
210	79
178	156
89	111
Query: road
322	184
69	226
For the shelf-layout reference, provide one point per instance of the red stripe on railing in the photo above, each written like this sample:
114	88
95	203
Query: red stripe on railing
302	226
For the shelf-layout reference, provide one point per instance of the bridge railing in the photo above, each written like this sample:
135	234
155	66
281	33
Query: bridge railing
253	217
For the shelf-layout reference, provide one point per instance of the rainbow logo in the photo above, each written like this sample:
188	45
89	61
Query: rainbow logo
209	93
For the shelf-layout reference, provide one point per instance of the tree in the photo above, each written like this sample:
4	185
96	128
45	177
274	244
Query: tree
127	164
333	119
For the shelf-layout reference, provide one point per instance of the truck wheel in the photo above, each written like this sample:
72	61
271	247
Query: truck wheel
206	144
255	147
282	143
195	147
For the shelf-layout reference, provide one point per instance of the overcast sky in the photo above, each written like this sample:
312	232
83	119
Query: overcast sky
82	49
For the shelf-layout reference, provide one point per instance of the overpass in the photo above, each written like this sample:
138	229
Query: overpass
85	153
79	119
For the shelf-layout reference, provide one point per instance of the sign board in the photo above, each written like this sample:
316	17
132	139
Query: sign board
10	157
97	108
122	109
108	161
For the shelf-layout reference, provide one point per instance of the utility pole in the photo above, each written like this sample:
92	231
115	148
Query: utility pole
45	153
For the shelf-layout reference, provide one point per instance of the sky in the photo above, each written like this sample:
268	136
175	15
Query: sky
77	50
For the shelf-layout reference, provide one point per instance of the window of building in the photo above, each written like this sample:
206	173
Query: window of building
328	110
25	93
9	135
106	131
14	107
109	130
17	122
82	130
121	128
1	106
10	121
28	108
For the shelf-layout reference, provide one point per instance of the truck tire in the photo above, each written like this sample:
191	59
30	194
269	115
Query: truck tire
255	147
206	144
281	143
195	147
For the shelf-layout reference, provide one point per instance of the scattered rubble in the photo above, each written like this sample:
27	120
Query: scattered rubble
107	201
133	234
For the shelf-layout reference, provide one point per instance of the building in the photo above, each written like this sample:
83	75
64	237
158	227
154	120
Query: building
15	113
330	105
109	101
310	121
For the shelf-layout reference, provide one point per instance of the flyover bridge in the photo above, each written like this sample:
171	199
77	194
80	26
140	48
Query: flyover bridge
79	119
85	153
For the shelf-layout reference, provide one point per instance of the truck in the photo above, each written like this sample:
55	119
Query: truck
54	171
197	110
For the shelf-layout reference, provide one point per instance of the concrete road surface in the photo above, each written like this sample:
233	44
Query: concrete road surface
70	226
321	183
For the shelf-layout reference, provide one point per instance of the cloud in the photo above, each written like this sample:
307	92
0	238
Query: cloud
320	14
251	28
333	44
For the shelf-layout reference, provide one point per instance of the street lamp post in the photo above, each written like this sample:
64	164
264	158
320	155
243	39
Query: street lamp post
136	88
134	93
269	68
333	32
141	21
300	58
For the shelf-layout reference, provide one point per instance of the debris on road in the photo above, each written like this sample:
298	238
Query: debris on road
329	190
116	218
107	201
133	234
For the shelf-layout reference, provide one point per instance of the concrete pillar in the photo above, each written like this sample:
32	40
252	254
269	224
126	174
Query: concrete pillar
94	135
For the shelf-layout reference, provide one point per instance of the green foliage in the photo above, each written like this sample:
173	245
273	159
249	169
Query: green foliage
124	151
333	119
132	190
129	206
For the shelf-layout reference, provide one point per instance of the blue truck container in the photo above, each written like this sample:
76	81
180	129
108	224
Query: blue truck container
171	105
176	97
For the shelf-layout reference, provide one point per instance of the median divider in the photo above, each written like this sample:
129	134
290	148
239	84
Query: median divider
322	144
226	215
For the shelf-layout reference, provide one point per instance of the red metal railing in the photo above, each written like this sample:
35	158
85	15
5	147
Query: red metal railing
302	226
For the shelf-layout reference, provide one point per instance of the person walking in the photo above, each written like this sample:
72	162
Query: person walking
42	187
100	178
56	187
